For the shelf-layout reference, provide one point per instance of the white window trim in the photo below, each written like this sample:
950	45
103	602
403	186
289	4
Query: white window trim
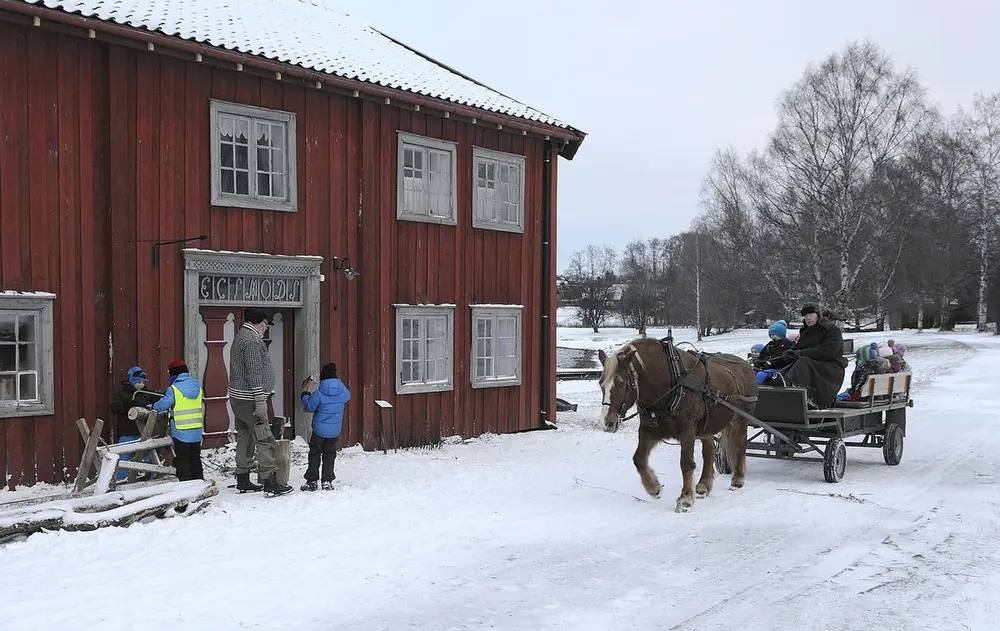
488	310
448	146
291	177
518	160
41	304
409	311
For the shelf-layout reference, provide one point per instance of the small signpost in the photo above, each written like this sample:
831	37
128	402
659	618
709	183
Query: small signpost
384	407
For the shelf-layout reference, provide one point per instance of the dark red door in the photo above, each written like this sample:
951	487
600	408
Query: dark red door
221	323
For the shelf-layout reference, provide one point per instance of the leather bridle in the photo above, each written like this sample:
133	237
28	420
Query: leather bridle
630	389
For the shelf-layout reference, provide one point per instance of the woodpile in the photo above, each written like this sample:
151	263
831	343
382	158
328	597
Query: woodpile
117	508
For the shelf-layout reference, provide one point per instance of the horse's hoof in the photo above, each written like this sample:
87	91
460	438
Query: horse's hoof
656	495
682	507
735	487
702	491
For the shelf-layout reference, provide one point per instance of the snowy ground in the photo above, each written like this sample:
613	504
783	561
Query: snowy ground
551	530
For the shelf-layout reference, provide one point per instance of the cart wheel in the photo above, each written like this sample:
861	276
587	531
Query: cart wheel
892	445
721	463
834	460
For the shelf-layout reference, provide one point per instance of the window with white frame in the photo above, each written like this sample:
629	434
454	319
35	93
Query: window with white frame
253	157
425	342
426	183
498	190
26	354
496	345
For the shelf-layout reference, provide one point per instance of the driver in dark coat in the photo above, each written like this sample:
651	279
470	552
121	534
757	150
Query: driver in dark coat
817	361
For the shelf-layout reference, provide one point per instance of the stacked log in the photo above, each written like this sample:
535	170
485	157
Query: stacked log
117	508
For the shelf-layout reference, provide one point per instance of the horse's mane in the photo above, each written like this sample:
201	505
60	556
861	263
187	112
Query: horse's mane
611	364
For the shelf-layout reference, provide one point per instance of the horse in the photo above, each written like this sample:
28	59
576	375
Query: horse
685	396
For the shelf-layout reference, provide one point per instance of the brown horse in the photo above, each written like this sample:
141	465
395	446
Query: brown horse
680	395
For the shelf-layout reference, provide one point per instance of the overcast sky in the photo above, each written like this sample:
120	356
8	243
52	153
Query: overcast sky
659	85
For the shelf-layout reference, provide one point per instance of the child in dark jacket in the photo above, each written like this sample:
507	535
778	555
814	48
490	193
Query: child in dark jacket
327	405
132	395
867	363
768	357
769	360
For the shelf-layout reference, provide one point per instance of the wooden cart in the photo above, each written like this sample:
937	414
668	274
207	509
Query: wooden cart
787	429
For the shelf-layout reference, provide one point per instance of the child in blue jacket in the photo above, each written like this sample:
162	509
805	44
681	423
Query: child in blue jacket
184	401
327	405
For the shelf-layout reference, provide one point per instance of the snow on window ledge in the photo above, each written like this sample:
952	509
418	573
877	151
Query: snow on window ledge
27	294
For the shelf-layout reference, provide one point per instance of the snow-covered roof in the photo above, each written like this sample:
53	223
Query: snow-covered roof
308	34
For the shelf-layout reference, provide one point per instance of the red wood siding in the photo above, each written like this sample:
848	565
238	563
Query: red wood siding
105	149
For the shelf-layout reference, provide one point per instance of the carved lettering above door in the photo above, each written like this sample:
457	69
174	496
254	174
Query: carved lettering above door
224	289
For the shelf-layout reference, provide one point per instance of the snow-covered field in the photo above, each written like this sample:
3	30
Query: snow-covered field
552	530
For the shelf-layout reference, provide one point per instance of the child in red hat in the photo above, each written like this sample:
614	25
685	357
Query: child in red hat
184	401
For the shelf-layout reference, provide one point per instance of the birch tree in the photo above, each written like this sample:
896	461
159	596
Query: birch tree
936	260
839	126
981	128
896	188
752	262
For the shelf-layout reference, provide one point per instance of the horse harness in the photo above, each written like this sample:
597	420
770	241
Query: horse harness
679	377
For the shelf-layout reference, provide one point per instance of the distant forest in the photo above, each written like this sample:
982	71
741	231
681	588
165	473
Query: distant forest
864	199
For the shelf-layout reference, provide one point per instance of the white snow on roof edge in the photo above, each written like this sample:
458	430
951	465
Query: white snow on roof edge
309	35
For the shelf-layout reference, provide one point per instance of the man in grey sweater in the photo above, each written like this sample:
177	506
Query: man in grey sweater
251	384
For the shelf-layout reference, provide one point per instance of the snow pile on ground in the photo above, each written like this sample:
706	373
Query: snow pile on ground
552	530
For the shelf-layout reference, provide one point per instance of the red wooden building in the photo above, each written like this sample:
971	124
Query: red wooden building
397	216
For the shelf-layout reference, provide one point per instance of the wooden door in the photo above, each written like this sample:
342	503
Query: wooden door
219	325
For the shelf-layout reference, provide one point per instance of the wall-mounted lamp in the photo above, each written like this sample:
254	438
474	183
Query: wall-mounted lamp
341	266
155	253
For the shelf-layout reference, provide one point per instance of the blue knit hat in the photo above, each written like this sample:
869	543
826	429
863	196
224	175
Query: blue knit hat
757	348
135	375
779	328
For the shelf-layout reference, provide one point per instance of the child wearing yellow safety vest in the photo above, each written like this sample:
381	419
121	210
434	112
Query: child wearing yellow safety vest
187	417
